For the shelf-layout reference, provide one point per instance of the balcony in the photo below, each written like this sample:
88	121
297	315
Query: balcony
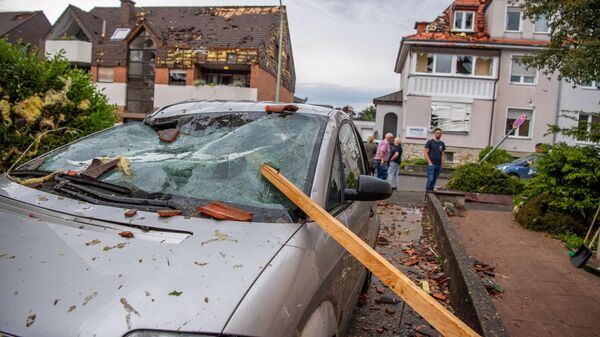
451	87
78	52
165	94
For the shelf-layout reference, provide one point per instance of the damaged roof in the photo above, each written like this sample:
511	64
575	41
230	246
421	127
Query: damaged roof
440	29
192	27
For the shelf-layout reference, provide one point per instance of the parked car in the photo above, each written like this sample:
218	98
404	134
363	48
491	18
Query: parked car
522	167
75	262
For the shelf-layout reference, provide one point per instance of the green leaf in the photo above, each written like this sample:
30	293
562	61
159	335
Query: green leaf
175	293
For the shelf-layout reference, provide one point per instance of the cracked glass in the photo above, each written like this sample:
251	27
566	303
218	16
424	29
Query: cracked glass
215	157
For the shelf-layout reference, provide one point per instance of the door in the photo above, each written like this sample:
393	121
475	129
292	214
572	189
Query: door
140	73
390	124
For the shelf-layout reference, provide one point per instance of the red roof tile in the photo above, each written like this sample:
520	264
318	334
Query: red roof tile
440	29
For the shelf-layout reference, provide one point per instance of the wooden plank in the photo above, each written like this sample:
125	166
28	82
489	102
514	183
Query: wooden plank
436	314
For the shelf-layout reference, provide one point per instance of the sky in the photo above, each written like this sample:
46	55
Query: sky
344	50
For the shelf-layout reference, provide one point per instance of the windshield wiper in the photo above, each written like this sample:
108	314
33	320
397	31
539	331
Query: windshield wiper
66	186
84	181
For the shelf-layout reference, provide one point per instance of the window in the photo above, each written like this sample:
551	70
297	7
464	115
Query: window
513	19
590	85
464	65
352	159
484	66
424	63
586	121
541	25
177	76
448	157
106	74
524	131
520	74
451	117
463	21
443	64
334	191
120	34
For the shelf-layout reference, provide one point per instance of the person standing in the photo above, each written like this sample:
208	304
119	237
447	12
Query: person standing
382	156
370	149
434	154
395	158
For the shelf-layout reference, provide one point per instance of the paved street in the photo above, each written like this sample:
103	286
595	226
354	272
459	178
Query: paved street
416	183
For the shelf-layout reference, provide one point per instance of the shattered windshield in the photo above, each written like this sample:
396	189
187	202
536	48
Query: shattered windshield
211	156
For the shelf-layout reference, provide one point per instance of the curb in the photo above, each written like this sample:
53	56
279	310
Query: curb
421	174
468	296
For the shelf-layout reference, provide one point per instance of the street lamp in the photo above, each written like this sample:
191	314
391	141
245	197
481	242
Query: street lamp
279	51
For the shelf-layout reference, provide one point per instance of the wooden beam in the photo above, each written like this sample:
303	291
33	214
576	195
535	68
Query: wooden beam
436	314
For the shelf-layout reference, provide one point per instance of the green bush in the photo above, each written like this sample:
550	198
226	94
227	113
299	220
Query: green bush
499	156
484	178
413	161
567	186
38	95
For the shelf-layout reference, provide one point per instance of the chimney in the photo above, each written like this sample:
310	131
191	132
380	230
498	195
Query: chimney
127	14
420	26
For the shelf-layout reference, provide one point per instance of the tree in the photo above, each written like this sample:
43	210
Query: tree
574	38
39	95
367	114
349	110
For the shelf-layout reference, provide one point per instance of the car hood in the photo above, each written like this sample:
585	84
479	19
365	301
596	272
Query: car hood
66	271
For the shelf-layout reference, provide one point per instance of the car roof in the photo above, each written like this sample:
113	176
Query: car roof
191	107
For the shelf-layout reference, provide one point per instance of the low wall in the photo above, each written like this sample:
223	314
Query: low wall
468	296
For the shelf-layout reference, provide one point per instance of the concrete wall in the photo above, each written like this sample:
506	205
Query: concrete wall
168	94
380	111
575	99
75	51
365	129
115	92
541	97
496	20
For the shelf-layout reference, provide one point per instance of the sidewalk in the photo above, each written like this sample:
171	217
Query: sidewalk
544	294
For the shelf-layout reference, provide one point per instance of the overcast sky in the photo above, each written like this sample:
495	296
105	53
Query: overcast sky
344	50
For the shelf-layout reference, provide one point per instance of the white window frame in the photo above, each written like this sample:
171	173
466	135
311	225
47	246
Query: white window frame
531	125
542	32
453	72
178	71
520	20
535	76
112	80
589	127
116	36
469	110
463	21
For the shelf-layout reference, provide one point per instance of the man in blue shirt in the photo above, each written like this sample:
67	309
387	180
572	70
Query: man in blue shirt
434	154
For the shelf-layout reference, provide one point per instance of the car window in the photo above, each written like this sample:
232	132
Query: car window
352	160
334	191
216	156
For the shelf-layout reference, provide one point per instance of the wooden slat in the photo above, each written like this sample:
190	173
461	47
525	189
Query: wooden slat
438	316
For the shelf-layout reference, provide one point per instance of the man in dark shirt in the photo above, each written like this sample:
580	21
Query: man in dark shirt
434	154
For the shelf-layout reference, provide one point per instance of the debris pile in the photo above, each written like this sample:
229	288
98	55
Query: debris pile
486	272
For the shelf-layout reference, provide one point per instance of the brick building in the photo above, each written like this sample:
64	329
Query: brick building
147	57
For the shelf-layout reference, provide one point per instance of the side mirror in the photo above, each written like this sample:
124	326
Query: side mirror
369	189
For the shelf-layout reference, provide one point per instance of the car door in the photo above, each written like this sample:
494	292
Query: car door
356	215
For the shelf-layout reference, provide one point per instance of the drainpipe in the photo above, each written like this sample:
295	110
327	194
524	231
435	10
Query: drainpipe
279	52
560	84
494	99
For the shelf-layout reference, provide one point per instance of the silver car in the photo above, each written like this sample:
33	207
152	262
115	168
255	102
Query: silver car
77	260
